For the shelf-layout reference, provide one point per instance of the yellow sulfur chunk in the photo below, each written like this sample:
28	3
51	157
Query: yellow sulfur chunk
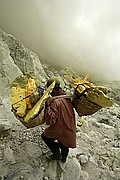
80	121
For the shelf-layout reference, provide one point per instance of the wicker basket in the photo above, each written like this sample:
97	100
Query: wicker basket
85	107
34	116
36	121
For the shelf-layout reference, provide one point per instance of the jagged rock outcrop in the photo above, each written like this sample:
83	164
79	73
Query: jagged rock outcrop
8	69
22	57
23	155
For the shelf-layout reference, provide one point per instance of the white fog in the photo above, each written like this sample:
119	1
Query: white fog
81	34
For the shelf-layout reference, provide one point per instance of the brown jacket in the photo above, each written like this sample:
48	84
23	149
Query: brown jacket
59	114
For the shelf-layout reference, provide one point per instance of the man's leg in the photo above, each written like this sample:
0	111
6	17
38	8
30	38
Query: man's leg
53	146
64	151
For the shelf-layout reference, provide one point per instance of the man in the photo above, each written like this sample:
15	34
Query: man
60	117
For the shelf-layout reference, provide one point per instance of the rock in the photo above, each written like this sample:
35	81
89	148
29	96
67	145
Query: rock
8	154
25	59
83	159
84	175
5	127
72	170
51	169
8	69
17	171
32	149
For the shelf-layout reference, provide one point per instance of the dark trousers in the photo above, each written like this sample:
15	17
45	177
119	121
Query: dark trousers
55	147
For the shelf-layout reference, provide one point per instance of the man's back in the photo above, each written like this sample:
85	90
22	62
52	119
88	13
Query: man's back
61	118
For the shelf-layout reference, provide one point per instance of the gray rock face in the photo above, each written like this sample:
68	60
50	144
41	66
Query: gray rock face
22	57
19	171
8	69
72	170
5	127
23	154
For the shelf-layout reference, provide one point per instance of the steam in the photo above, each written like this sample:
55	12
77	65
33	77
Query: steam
81	34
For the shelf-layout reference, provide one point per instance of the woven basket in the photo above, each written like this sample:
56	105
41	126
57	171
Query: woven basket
34	116
85	107
38	120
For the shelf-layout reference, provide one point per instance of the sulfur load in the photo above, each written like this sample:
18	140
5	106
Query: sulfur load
30	113
90	98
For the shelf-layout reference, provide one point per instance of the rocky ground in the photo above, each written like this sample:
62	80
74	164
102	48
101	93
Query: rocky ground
23	155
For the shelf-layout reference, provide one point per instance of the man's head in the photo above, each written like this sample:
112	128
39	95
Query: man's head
57	82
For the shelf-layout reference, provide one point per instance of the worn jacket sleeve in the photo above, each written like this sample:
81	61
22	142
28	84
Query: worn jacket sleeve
51	113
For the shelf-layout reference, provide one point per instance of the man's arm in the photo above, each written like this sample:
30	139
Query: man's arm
51	111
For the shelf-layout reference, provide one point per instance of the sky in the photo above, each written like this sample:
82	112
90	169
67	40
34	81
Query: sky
81	34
